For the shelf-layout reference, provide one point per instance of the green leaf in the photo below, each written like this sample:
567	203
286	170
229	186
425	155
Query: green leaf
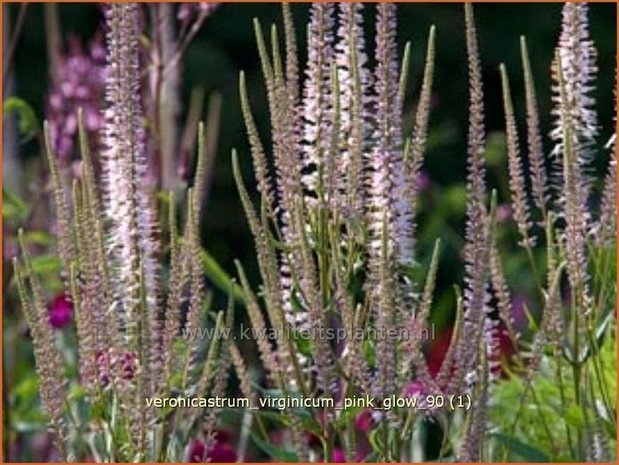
530	454
303	343
219	277
369	351
13	206
574	416
77	392
279	418
27	121
30	426
496	149
277	453
454	200
27	388
39	238
46	264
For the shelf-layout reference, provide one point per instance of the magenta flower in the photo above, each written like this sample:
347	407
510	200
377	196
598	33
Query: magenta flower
60	312
197	451
338	456
363	421
222	452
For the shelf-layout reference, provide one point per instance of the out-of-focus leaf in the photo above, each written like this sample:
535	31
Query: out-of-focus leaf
27	121
27	388
496	148
454	200
38	238
276	417
530	454
46	264
30	426
219	277
77	392
574	417
13	207
277	453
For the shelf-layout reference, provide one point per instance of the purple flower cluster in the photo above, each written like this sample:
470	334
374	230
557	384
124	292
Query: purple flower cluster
79	83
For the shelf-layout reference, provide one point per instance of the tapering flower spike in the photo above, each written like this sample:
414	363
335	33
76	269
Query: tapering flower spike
477	247
389	188
127	201
318	102
354	81
517	184
537	168
576	57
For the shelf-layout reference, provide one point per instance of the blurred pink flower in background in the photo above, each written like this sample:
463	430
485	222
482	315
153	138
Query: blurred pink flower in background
503	212
60	312
423	181
187	11
79	83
